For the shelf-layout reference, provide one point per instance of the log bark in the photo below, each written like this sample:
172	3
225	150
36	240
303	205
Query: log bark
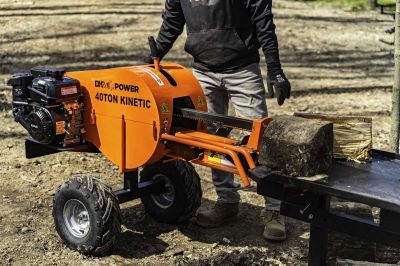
297	146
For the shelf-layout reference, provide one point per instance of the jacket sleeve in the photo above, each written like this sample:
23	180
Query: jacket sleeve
262	19
172	26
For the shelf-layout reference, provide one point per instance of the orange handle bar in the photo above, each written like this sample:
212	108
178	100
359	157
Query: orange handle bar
211	147
241	150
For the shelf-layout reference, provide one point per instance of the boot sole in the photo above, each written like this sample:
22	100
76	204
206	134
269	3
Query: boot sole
275	238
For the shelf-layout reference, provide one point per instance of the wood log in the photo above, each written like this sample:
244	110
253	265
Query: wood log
297	146
352	135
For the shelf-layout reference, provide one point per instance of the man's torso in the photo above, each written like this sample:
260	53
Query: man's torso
221	36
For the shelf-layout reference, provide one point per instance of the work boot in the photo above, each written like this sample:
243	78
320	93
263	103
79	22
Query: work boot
274	226
219	214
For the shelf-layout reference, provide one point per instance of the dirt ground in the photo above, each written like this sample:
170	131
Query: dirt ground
332	56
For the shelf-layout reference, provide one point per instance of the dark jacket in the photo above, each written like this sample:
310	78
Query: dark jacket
222	34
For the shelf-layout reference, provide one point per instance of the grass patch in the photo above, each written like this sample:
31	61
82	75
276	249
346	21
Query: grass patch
353	4
387	2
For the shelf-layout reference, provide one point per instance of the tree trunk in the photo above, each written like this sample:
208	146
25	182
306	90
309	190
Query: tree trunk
373	4
394	131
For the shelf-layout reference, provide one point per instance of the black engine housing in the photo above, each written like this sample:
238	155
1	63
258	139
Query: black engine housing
48	105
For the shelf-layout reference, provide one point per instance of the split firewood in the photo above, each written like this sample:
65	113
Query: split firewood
352	135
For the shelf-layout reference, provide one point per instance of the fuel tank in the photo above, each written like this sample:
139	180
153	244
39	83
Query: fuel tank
126	109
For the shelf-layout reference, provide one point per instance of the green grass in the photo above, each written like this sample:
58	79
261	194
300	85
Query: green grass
387	2
353	4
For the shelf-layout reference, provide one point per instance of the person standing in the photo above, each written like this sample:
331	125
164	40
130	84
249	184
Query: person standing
224	38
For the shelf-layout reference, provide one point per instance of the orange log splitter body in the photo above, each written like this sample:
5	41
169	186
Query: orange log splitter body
128	116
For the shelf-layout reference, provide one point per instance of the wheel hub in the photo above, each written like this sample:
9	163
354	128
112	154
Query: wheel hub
166	199
76	218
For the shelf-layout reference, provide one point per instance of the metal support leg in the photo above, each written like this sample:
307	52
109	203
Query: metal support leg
318	245
133	189
131	180
389	221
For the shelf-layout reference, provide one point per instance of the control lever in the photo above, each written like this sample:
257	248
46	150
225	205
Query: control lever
155	54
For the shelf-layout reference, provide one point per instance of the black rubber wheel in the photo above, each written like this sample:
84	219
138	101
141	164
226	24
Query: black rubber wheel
87	215
183	192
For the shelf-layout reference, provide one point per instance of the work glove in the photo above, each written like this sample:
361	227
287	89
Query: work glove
148	59
278	85
155	51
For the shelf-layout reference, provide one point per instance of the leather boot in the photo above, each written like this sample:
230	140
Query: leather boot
274	226
218	215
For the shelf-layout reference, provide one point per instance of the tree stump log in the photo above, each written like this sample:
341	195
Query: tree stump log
297	146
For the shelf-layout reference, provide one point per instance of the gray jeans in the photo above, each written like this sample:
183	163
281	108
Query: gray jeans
245	88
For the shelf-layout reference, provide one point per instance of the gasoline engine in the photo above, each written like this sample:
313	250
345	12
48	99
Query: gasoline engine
48	105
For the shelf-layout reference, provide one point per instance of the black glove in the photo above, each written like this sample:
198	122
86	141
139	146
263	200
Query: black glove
148	59
155	51
281	84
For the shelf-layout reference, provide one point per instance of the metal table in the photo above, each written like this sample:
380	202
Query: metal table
376	184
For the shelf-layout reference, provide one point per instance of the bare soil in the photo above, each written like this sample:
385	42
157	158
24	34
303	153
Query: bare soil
331	55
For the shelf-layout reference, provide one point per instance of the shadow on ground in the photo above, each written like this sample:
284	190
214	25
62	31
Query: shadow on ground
141	237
